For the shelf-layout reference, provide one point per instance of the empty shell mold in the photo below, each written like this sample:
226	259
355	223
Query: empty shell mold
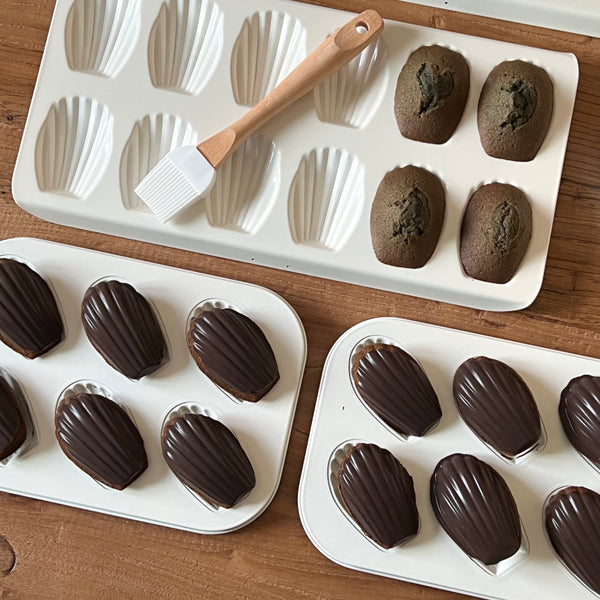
144	77
432	557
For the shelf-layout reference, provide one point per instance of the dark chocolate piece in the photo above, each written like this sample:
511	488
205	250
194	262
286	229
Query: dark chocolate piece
206	456
393	385
233	352
497	405
407	215
475	507
378	493
579	411
100	438
431	94
572	520
122	327
30	322
13	428
514	111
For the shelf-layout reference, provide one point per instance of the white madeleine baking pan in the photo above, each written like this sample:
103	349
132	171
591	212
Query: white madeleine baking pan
431	558
157	496
122	82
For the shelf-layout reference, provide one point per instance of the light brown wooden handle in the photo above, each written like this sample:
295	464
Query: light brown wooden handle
336	51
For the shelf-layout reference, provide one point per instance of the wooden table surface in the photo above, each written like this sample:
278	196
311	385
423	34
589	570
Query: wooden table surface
68	553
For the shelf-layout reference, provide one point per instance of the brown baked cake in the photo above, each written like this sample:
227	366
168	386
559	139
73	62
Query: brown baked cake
407	216
514	112
431	94
495	232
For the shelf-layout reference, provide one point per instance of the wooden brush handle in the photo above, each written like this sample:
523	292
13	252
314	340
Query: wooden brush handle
336	51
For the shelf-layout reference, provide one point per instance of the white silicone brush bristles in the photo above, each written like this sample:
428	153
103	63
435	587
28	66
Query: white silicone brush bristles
181	178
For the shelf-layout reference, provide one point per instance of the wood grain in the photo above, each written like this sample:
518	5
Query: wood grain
72	554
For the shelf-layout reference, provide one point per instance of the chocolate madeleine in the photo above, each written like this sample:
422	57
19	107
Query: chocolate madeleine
514	111
378	493
495	232
30	322
579	412
207	458
572	521
475	507
497	406
431	94
13	427
100	438
233	352
121	325
393	385
407	217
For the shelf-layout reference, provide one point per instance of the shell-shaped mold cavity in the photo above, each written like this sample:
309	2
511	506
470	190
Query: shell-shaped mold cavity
391	383
497	406
121	325
73	147
579	411
101	34
326	198
208	459
151	139
245	187
476	508
268	48
233	352
30	321
13	426
186	42
378	493
572	522
352	95
98	436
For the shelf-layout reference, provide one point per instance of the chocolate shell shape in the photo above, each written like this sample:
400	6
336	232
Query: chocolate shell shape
378	492
30	322
13	428
407	215
431	94
497	406
100	438
393	385
122	327
579	412
514	111
475	507
233	352
572	521
495	232
207	458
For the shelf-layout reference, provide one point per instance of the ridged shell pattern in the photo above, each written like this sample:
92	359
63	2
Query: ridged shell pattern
352	95
186	42
572	521
497	406
13	430
379	494
268	48
475	507
73	147
101	34
206	456
233	352
392	384
30	322
151	139
100	438
245	187
121	325
326	198
579	411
